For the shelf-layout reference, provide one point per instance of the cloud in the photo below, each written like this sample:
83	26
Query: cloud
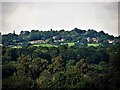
0	16
60	0
44	16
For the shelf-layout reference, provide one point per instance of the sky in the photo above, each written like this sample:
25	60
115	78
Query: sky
59	15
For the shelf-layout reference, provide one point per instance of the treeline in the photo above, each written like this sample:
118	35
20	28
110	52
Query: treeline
61	67
53	36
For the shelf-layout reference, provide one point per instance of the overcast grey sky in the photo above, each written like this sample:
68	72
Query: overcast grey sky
63	15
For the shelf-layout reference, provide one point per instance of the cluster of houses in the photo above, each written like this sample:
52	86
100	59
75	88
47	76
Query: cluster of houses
62	40
92	40
45	41
96	40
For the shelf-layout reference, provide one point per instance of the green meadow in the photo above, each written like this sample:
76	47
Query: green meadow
95	45
71	44
44	45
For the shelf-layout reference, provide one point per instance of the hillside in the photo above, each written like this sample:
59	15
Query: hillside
54	37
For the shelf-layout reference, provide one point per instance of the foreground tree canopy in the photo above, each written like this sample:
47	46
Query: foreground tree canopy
42	67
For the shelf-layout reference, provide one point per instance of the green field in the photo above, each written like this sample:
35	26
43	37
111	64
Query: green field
71	44
44	45
95	45
50	45
17	47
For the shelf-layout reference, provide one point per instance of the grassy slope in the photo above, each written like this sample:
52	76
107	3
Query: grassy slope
95	45
44	45
71	44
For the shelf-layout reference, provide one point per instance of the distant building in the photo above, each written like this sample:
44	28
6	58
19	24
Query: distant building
55	41
54	37
88	39
95	40
1	45
62	40
110	41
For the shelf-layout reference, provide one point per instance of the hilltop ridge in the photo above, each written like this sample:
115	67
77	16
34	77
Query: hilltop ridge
55	37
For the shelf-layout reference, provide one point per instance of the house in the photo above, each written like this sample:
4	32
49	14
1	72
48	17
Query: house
89	39
62	40
95	40
54	37
55	41
110	41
